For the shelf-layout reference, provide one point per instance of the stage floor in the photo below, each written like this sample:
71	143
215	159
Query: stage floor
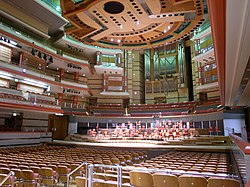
145	145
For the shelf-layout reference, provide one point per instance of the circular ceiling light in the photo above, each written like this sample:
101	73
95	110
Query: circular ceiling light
113	7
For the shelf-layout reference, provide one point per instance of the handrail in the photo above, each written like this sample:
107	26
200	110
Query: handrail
243	145
120	168
90	172
11	173
68	175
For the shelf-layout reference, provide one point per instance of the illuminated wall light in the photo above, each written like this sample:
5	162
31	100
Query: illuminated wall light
137	23
112	39
58	8
16	80
118	41
24	70
13	43
169	27
165	31
121	26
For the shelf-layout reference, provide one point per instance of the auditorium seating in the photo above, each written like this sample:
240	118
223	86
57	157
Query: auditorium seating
49	166
141	179
192	181
216	163
219	182
166	180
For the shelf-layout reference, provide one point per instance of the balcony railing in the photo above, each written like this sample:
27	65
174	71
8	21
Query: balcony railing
162	86
72	105
203	27
204	50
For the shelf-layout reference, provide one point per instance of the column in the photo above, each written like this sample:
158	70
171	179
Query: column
105	82
200	74
60	98
118	59
152	74
76	76
20	59
75	99
98	58
62	73
125	78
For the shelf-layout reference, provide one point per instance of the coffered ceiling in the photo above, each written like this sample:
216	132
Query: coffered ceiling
132	24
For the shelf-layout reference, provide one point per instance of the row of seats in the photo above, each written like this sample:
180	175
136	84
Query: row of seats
58	161
146	179
215	163
51	164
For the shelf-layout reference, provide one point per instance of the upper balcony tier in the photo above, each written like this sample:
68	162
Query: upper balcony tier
23	43
38	78
205	55
202	32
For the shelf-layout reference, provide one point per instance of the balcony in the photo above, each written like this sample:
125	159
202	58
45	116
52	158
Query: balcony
162	86
20	99
108	68
202	32
205	55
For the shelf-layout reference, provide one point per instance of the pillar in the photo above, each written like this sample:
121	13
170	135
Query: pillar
75	99
189	74
152	74
62	73
76	76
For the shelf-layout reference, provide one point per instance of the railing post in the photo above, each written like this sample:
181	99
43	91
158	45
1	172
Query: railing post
89	175
119	176
68	178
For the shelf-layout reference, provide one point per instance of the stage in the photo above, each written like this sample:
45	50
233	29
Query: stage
147	145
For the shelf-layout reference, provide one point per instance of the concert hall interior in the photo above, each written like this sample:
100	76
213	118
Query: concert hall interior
124	93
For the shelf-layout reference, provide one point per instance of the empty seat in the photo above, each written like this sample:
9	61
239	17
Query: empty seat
47	176
222	182
63	172
192	181
141	179
80	181
29	178
166	180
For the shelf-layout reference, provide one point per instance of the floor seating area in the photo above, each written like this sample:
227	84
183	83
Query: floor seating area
49	165
208	163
